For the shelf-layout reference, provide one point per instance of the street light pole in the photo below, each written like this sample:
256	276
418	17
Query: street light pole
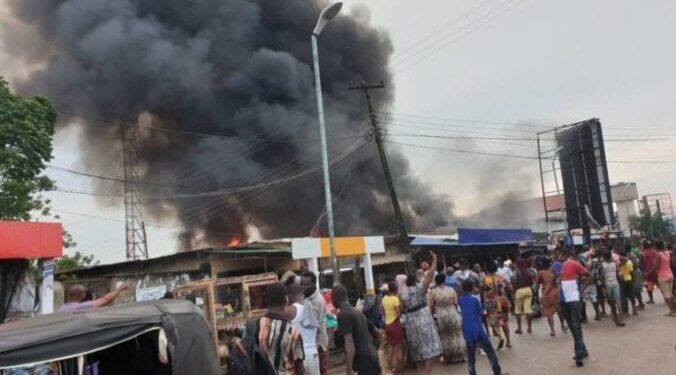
326	15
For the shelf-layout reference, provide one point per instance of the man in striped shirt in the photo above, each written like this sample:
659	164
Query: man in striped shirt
574	278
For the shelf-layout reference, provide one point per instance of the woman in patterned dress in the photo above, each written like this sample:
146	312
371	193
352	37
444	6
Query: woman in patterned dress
443	302
422	336
496	304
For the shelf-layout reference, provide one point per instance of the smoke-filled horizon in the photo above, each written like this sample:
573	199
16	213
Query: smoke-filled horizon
241	69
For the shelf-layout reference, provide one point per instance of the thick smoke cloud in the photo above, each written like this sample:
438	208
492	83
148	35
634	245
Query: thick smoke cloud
240	69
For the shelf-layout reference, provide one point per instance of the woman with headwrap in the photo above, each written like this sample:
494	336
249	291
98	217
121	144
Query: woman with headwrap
402	289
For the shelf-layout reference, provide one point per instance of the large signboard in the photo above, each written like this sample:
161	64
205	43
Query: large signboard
585	176
303	248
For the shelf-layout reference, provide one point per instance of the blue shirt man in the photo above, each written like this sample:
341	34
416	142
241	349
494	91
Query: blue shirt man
473	330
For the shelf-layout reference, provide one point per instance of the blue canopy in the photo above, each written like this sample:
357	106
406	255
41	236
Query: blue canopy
470	237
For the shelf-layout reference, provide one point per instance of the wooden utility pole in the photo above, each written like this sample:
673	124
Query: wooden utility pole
365	87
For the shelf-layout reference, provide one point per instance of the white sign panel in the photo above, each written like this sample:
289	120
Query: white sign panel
150	293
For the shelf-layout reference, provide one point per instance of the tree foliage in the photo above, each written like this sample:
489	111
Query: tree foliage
654	226
26	132
75	261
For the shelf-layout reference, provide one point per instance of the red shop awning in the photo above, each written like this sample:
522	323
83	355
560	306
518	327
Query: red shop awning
30	240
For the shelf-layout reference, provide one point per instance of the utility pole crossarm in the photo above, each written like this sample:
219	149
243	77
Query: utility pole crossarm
365	87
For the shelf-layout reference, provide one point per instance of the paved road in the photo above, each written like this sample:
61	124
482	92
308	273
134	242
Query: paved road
646	346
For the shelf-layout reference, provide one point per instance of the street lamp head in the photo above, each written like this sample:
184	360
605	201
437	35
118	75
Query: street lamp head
325	16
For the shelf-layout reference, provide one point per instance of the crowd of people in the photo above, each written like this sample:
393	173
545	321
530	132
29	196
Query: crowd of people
563	283
450	315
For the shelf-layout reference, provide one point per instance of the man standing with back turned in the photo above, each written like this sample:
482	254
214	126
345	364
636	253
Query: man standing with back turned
360	353
308	281
571	308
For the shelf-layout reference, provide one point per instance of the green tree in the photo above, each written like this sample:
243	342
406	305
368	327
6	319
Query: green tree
654	226
75	261
26	133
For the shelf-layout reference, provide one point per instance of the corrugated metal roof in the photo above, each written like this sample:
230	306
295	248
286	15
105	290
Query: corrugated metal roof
238	252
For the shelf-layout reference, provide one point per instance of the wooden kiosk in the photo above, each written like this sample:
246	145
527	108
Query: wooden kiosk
228	303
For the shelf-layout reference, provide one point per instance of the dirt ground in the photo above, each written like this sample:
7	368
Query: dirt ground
647	345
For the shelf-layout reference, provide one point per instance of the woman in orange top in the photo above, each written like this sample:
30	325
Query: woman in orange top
665	278
550	295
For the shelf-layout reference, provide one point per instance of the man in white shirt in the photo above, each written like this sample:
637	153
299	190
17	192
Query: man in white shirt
314	297
506	271
464	273
306	323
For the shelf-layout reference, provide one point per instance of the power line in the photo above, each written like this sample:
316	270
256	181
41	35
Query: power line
88	215
433	50
96	118
456	127
199	209
473	138
462	122
464	151
525	138
491	140
421	42
82	192
227	190
202	134
641	161
398	60
266	139
85	174
101	177
257	144
461	130
255	186
202	209
516	156
243	199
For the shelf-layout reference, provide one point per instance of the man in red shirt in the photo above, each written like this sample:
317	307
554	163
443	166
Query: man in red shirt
649	268
574	279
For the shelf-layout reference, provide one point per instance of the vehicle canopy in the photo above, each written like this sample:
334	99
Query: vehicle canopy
61	336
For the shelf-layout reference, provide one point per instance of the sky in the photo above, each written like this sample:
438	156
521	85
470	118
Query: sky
474	69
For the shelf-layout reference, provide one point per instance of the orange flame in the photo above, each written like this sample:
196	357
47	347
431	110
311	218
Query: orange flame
235	241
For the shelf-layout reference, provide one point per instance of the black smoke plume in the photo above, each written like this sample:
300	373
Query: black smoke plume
241	69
